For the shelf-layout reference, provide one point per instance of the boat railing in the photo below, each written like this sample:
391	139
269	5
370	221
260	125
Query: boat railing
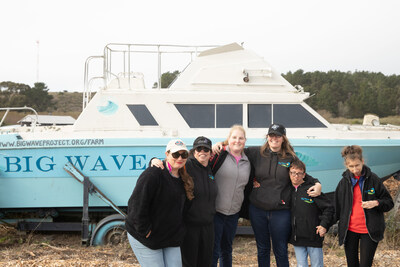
118	58
7	110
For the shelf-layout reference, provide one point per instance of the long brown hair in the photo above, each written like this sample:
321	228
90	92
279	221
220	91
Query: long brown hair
286	148
188	183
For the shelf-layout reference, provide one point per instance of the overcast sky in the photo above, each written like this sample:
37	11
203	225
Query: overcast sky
322	35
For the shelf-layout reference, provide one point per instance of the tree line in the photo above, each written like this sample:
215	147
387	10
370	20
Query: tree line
19	95
350	94
342	94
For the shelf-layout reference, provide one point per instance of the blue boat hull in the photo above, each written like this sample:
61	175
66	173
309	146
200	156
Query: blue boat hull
32	174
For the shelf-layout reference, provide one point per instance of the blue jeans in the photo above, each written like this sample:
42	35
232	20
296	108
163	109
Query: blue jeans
224	232
165	257
316	256
271	225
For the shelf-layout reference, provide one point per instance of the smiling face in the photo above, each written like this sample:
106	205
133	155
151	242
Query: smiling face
236	141
201	156
355	166
275	142
176	163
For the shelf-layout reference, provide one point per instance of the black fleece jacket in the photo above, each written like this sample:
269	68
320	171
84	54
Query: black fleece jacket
157	204
373	189
308	213
272	172
202	208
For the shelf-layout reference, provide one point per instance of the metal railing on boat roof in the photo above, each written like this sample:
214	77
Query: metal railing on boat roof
7	110
127	50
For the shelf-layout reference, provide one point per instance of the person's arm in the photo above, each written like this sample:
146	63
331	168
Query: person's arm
327	215
217	147
337	203
384	201
315	190
155	162
142	196
321	231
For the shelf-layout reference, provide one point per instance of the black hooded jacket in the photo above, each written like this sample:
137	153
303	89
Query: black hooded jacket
202	208
373	189
307	213
272	172
157	204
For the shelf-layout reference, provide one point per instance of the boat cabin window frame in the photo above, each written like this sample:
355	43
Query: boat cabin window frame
211	115
295	116
254	115
142	115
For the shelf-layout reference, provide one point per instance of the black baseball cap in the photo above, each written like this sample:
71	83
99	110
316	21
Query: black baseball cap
202	141
277	129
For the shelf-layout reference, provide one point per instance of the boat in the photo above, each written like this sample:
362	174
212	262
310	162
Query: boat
124	124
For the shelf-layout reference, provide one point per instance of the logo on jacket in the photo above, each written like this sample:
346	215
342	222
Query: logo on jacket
284	164
307	200
370	191
211	176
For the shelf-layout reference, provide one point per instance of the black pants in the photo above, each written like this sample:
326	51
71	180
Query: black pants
197	246
367	249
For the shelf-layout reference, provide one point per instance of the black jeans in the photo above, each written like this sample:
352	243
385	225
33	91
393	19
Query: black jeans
197	246
367	249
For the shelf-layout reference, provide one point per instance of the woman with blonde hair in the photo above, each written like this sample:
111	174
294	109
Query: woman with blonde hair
231	169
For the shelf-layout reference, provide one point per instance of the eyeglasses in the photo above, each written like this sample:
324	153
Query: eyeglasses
200	148
183	155
296	173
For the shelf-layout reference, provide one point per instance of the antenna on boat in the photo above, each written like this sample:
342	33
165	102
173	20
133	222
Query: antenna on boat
37	62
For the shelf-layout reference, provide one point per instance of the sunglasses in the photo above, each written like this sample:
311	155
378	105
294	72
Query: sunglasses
200	148
183	155
274	135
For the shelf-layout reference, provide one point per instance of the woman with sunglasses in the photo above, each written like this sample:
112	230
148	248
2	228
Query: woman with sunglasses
156	208
197	246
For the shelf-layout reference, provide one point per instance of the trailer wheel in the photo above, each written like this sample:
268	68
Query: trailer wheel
109	231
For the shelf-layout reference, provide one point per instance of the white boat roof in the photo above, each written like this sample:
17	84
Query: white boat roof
222	86
48	119
225	69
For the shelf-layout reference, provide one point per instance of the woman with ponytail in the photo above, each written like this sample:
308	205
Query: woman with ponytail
361	199
156	207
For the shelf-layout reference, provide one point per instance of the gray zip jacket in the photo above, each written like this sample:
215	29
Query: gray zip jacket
231	179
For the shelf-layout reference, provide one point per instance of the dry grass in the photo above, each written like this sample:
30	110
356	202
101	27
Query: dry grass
38	249
65	250
395	120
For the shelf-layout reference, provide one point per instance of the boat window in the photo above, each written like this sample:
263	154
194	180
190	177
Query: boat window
198	115
295	116
229	114
142	115
259	115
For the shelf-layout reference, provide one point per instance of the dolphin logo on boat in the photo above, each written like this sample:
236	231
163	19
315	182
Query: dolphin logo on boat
307	159
109	109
